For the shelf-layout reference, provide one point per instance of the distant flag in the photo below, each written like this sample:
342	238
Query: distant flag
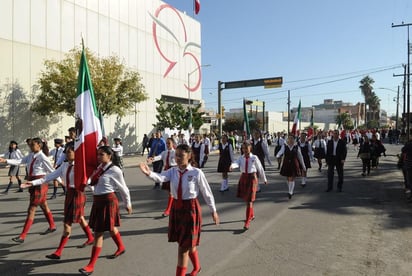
246	126
197	6
296	121
310	130
88	127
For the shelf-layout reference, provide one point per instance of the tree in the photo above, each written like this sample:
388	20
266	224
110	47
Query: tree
116	88
232	124
366	90
345	120
175	116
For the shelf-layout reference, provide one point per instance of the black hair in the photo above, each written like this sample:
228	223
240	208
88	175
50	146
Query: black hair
106	149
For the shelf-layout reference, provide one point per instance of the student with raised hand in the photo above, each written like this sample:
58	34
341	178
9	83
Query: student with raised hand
37	165
185	220
73	204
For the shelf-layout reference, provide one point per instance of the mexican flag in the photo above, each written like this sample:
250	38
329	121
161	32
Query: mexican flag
197	6
88	128
310	129
246	127
296	121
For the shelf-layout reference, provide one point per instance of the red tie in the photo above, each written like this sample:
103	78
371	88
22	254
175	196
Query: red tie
179	190
69	169
247	164
96	176
31	166
167	166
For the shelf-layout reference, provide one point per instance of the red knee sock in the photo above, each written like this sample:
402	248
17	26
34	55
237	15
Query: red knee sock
252	213
181	271
26	228
88	233
50	220
248	213
169	205
95	255
63	242
194	258
118	240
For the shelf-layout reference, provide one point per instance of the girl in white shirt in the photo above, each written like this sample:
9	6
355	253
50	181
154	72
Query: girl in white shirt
185	220
105	216
251	169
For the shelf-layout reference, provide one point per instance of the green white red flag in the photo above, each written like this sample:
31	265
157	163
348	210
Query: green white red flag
88	128
197	6
296	121
310	129
246	127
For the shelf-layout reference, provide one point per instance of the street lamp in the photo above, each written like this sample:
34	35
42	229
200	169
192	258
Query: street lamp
188	93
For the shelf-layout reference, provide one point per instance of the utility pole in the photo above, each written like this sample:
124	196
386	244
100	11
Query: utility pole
407	80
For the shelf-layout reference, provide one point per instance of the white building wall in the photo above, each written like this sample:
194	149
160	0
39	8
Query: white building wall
32	31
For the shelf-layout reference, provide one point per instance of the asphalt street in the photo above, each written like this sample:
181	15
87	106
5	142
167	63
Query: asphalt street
365	230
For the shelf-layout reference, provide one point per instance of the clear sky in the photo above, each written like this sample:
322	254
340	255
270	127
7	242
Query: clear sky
321	48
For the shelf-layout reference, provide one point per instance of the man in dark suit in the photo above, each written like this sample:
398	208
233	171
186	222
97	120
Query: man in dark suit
335	157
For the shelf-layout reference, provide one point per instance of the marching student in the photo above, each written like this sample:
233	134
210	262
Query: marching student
307	154
13	153
73	204
198	151
293	163
118	153
56	153
38	165
106	180
251	169
168	157
225	160
185	220
320	150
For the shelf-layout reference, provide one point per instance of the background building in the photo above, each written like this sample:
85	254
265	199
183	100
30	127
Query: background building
151	37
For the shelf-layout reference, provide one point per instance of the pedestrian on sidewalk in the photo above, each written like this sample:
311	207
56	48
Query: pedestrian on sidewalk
13	153
293	163
38	165
106	180
185	220
250	168
73	205
145	144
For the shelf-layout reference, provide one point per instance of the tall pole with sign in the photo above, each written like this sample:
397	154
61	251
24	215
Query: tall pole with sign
266	83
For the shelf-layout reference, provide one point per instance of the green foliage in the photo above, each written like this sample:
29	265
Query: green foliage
345	120
176	116
116	88
233	124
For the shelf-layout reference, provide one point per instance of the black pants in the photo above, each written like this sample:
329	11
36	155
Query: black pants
331	172
157	167
366	164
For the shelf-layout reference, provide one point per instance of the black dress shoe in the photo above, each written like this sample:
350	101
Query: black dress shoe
328	190
289	195
48	231
17	240
339	190
115	255
84	272
53	257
